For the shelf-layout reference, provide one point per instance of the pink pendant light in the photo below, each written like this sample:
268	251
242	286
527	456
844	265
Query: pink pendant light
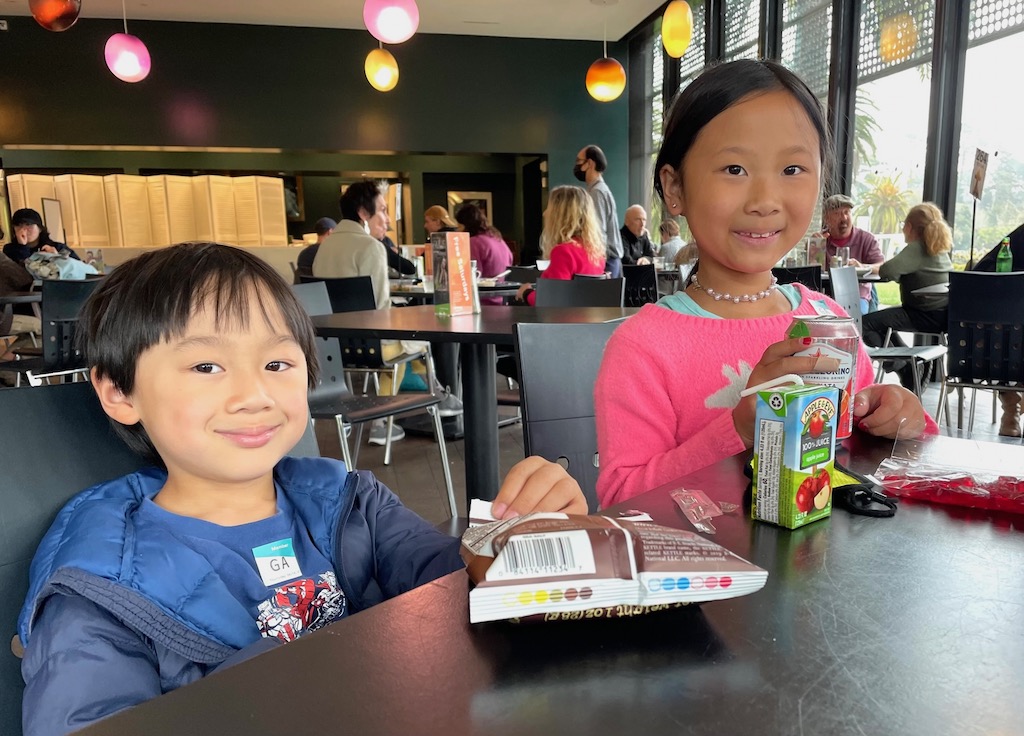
126	56
55	15
391	21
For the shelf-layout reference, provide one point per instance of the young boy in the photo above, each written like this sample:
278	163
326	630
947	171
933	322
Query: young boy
202	357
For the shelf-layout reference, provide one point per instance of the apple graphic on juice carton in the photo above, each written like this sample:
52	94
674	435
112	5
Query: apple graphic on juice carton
814	492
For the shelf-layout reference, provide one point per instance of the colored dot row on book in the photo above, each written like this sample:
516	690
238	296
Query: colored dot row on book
526	597
710	582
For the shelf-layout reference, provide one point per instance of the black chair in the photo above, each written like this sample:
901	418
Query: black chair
522	274
333	399
347	295
809	276
846	292
558	366
61	302
36	485
586	293
590	276
986	334
641	284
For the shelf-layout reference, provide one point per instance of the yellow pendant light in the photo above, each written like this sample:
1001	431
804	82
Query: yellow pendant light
381	69
606	79
897	37
677	28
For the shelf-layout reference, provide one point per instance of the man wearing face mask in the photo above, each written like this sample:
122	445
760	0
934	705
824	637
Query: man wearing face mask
590	164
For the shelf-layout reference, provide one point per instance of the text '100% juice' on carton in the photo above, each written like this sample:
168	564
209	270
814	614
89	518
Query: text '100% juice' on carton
794	454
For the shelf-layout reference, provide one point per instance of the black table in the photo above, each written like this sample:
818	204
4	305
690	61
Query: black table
478	334
909	625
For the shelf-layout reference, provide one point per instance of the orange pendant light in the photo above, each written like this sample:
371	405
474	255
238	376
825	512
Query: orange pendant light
381	69
897	37
677	28
606	79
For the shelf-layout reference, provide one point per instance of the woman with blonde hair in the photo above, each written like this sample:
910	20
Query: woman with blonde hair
571	238
437	220
923	262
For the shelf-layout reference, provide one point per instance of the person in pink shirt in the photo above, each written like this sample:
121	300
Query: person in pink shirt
743	158
486	246
571	238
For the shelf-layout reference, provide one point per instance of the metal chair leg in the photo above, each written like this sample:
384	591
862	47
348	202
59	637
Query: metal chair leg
443	449
345	454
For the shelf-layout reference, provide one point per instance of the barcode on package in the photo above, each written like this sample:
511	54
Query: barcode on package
543	555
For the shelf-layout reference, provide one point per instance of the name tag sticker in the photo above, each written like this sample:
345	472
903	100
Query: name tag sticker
276	562
821	307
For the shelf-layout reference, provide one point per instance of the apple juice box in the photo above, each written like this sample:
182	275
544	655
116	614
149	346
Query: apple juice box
794	454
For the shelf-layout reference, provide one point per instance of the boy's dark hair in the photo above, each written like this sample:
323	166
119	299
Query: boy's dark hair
361	195
153	296
474	221
596	155
720	87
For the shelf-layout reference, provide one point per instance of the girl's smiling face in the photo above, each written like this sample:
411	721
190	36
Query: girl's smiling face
748	186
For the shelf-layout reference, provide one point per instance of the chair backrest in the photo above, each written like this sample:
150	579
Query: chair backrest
591	276
353	294
846	291
641	284
313	297
523	274
558	366
59	442
62	301
986	327
587	293
809	276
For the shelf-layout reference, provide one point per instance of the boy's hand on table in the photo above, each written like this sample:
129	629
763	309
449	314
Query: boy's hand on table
536	484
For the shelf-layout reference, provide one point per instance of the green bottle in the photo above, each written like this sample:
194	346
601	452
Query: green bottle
1004	261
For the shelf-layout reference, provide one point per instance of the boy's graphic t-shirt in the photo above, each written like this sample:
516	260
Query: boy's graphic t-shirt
271	567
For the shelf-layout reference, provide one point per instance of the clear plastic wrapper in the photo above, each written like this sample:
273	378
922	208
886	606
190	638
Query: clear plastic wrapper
957	472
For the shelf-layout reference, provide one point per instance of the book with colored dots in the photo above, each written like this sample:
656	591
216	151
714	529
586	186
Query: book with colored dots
556	567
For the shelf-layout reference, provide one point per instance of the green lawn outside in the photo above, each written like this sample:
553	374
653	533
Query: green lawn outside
888	293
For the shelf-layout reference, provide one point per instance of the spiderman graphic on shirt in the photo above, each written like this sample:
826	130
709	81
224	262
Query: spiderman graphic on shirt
300	606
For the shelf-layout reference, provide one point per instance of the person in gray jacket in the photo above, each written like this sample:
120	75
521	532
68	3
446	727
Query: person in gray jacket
590	165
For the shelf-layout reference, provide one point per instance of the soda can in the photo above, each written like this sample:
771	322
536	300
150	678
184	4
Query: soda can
833	337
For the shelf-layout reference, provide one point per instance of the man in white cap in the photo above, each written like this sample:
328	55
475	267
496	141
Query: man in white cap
864	248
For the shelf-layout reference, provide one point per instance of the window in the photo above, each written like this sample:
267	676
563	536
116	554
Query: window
806	45
742	22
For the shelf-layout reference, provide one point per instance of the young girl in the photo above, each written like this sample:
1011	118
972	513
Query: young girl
742	160
571	238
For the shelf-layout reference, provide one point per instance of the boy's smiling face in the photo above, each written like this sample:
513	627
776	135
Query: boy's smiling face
222	403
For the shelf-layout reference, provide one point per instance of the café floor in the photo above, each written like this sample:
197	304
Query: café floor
415	471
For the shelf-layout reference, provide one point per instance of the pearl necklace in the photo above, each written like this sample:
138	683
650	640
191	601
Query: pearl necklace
735	299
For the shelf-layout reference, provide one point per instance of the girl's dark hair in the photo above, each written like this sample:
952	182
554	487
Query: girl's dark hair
720	87
363	194
152	297
474	221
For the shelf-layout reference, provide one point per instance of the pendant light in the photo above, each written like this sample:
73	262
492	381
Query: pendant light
897	36
391	21
677	28
381	69
606	79
55	15
126	56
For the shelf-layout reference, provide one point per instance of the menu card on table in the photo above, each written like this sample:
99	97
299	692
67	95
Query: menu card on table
453	274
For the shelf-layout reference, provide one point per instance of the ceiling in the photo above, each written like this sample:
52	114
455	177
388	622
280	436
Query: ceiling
564	19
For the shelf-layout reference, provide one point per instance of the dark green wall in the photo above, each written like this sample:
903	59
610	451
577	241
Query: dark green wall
303	91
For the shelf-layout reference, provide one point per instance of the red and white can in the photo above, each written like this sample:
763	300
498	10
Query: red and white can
834	337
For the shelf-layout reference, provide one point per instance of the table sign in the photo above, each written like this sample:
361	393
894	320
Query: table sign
453	274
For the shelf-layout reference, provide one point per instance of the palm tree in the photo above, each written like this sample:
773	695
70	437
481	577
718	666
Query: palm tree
886	201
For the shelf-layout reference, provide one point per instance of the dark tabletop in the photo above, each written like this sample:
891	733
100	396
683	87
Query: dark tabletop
909	625
493	324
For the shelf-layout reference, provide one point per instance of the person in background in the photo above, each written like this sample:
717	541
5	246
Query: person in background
671	243
589	168
924	261
864	249
744	154
223	547
486	246
437	220
31	236
637	248
1009	424
398	266
304	263
571	239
